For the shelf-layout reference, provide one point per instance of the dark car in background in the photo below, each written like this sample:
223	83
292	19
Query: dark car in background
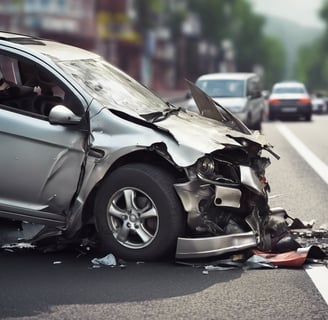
290	99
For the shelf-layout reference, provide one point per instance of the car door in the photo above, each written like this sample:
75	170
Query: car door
40	165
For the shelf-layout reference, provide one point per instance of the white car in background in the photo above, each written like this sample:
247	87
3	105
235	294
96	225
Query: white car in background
319	105
240	93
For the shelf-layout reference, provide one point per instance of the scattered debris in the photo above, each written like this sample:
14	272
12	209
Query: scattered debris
121	263
108	260
257	262
217	268
312	247
308	237
18	245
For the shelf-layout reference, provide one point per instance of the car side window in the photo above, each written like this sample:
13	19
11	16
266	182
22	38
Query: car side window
29	88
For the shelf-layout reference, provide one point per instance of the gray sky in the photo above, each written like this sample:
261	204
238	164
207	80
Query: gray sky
304	12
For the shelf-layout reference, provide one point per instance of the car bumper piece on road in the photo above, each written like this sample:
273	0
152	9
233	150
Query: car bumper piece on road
211	246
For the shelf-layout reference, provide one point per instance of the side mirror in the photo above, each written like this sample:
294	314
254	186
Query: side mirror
60	114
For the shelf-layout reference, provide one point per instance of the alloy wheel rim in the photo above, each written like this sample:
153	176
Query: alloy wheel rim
132	218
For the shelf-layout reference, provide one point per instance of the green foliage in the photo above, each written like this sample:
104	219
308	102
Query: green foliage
234	20
312	63
214	16
272	55
148	11
220	20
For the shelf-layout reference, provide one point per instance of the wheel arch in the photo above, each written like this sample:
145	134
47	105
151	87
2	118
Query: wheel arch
140	156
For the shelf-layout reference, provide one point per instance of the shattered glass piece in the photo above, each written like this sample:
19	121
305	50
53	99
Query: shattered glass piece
218	268
108	260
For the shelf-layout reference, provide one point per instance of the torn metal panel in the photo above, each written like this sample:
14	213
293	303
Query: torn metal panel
227	197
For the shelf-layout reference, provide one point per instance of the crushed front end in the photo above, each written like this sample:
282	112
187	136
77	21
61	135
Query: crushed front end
226	199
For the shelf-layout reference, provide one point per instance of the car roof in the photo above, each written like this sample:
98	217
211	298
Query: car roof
232	75
289	84
57	50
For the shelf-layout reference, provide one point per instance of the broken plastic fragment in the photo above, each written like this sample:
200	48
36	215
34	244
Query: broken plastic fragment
217	268
257	262
291	258
19	245
108	260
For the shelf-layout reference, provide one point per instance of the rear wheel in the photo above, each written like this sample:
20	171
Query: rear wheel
138	213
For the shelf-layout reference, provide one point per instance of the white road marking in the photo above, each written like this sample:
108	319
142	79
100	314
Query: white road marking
317	165
317	273
319	276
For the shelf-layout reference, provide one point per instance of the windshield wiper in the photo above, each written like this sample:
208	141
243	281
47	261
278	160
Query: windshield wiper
161	115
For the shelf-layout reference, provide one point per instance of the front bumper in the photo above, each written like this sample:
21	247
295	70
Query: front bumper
192	193
210	246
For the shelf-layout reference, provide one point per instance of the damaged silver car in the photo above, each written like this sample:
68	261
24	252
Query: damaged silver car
88	150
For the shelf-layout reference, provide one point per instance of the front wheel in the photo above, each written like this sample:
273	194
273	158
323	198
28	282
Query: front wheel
138	214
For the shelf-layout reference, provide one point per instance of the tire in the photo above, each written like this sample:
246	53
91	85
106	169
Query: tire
308	117
138	213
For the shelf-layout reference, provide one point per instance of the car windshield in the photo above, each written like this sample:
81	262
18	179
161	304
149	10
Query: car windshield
222	87
115	89
112	87
288	90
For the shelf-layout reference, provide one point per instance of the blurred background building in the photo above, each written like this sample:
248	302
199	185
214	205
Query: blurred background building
129	33
163	42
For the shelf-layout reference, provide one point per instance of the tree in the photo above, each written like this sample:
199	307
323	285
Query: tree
234	20
312	62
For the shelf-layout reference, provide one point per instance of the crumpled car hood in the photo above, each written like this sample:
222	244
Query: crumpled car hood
205	134
213	128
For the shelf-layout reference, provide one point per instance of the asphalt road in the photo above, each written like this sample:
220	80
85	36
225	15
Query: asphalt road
66	286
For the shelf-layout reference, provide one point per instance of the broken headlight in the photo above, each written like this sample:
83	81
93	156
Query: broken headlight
205	166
